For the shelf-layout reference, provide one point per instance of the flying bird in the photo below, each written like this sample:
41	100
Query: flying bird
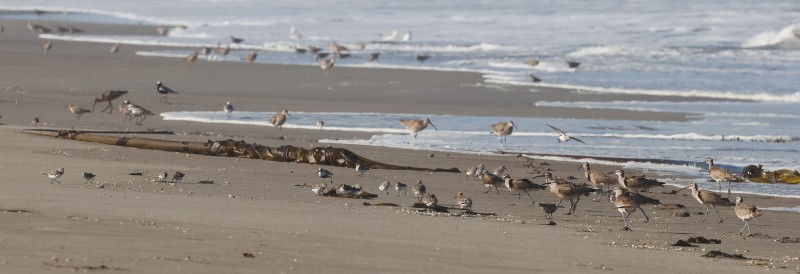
563	137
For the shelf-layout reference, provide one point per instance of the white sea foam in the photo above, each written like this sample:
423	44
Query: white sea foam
788	37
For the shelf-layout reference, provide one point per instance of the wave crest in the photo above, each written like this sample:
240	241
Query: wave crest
788	38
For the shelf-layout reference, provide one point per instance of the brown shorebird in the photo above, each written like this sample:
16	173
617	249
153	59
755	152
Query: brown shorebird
419	190
415	125
191	57
278	119
422	57
327	64
360	46
313	49
463	201
77	111
250	57
491	180
521	186
223	51
429	200
563	137
598	179
47	46
114	48
746	212
708	198
548	209
161	88
338	48
385	186
636	183
372	57
627	202
534	78
502	130
123	109
162	30
532	62
573	64
53	175
108	96
721	175
566	190
475	171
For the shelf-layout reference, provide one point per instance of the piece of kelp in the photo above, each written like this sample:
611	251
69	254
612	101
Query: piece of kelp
231	148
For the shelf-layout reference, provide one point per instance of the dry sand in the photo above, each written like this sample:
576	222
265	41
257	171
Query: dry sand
134	225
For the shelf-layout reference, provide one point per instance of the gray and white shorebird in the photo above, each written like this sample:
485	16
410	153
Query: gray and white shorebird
108	96
163	176
337	48
137	112
548	209
164	90
294	34
361	168
319	188
47	46
720	175
78	111
325	174
419	190
348	190
385	186
54	175
499	170
35	121
534	78
89	177
566	190
400	187
278	119
491	181
502	130
389	36
573	64
250	57
177	177
632	199
327	63
191	57
407	36
429	200
114	48
708	198
746	212
463	201
415	125
320	124
74	30
475	172
636	183
205	51
372	57
521	186
162	30
228	109
598	179
563	137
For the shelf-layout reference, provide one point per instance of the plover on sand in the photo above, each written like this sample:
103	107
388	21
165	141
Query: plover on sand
228	109
319	188
361	168
415	126
746	212
89	177
327	64
78	111
55	174
162	89
548	209
422	57
348	190
499	170
502	130
163	176
385	186
177	177
463	201
324	173
313	49
35	121
563	137
400	187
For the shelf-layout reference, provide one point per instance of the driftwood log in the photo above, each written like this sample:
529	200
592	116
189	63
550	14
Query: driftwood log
231	148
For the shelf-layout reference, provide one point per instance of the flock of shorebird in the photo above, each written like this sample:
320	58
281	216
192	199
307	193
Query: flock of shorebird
625	194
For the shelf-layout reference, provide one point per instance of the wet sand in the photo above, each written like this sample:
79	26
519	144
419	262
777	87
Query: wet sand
254	208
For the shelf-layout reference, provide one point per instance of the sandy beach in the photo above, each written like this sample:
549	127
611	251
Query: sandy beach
255	218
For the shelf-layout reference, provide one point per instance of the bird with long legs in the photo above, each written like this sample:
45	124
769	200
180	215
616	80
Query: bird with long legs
502	130
708	199
416	125
109	96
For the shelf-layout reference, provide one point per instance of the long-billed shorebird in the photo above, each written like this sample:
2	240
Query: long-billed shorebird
475	172
429	200
385	186
338	48
228	109
400	187
294	34
250	57
162	89
361	168
563	137
54	175
313	49
47	46
324	173
721	175
746	212
502	130
108	96
327	63
636	183
566	190
548	209
114	48
708	198
78	111
416	126
625	198
521	186
419	190
89	177
491	181
463	201
598	179
278	119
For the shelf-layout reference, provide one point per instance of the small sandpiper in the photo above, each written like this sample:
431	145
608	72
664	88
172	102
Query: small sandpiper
348	190
327	64
177	177
422	57
319	188
385	186
419	190
475	172
35	121
463	201
563	137
324	173
162	177
361	168
429	200
400	187
55	174
499	170
228	109
89	177
548	209
320	124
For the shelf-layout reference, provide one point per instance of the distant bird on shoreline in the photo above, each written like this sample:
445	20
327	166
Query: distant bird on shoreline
475	171
35	121
320	124
114	48
400	187
532	62
502	130
54	175
77	111
534	78
228	109
205	50
162	30
47	46
177	177
327	64
324	173
294	34
422	57
313	49
108	96
573	64
250	57
372	57
337	48
407	36
278	119
361	168
161	88
415	126
191	57
236	40
320	55
388	36
223	51
563	137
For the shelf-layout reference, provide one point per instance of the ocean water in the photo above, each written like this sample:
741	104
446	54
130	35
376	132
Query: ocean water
747	51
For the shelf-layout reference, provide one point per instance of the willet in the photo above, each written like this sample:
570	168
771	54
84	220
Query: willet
114	48
47	46
636	183
236	40
721	175
191	57
319	188
708	198
407	36
548	209
278	119
422	57
161	88
415	125
89	177
338	48
228	109
475	171
419	190
294	34
54	175
534	78
361	168
385	186
631	199
388	36
566	190
313	49
35	121
327	63
463	201
429	200
400	187
324	173
521	185
223	51
746	212
177	177
502	130
598	179
320	124
250	57
372	57
78	111
491	180
108	96
573	64
563	137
